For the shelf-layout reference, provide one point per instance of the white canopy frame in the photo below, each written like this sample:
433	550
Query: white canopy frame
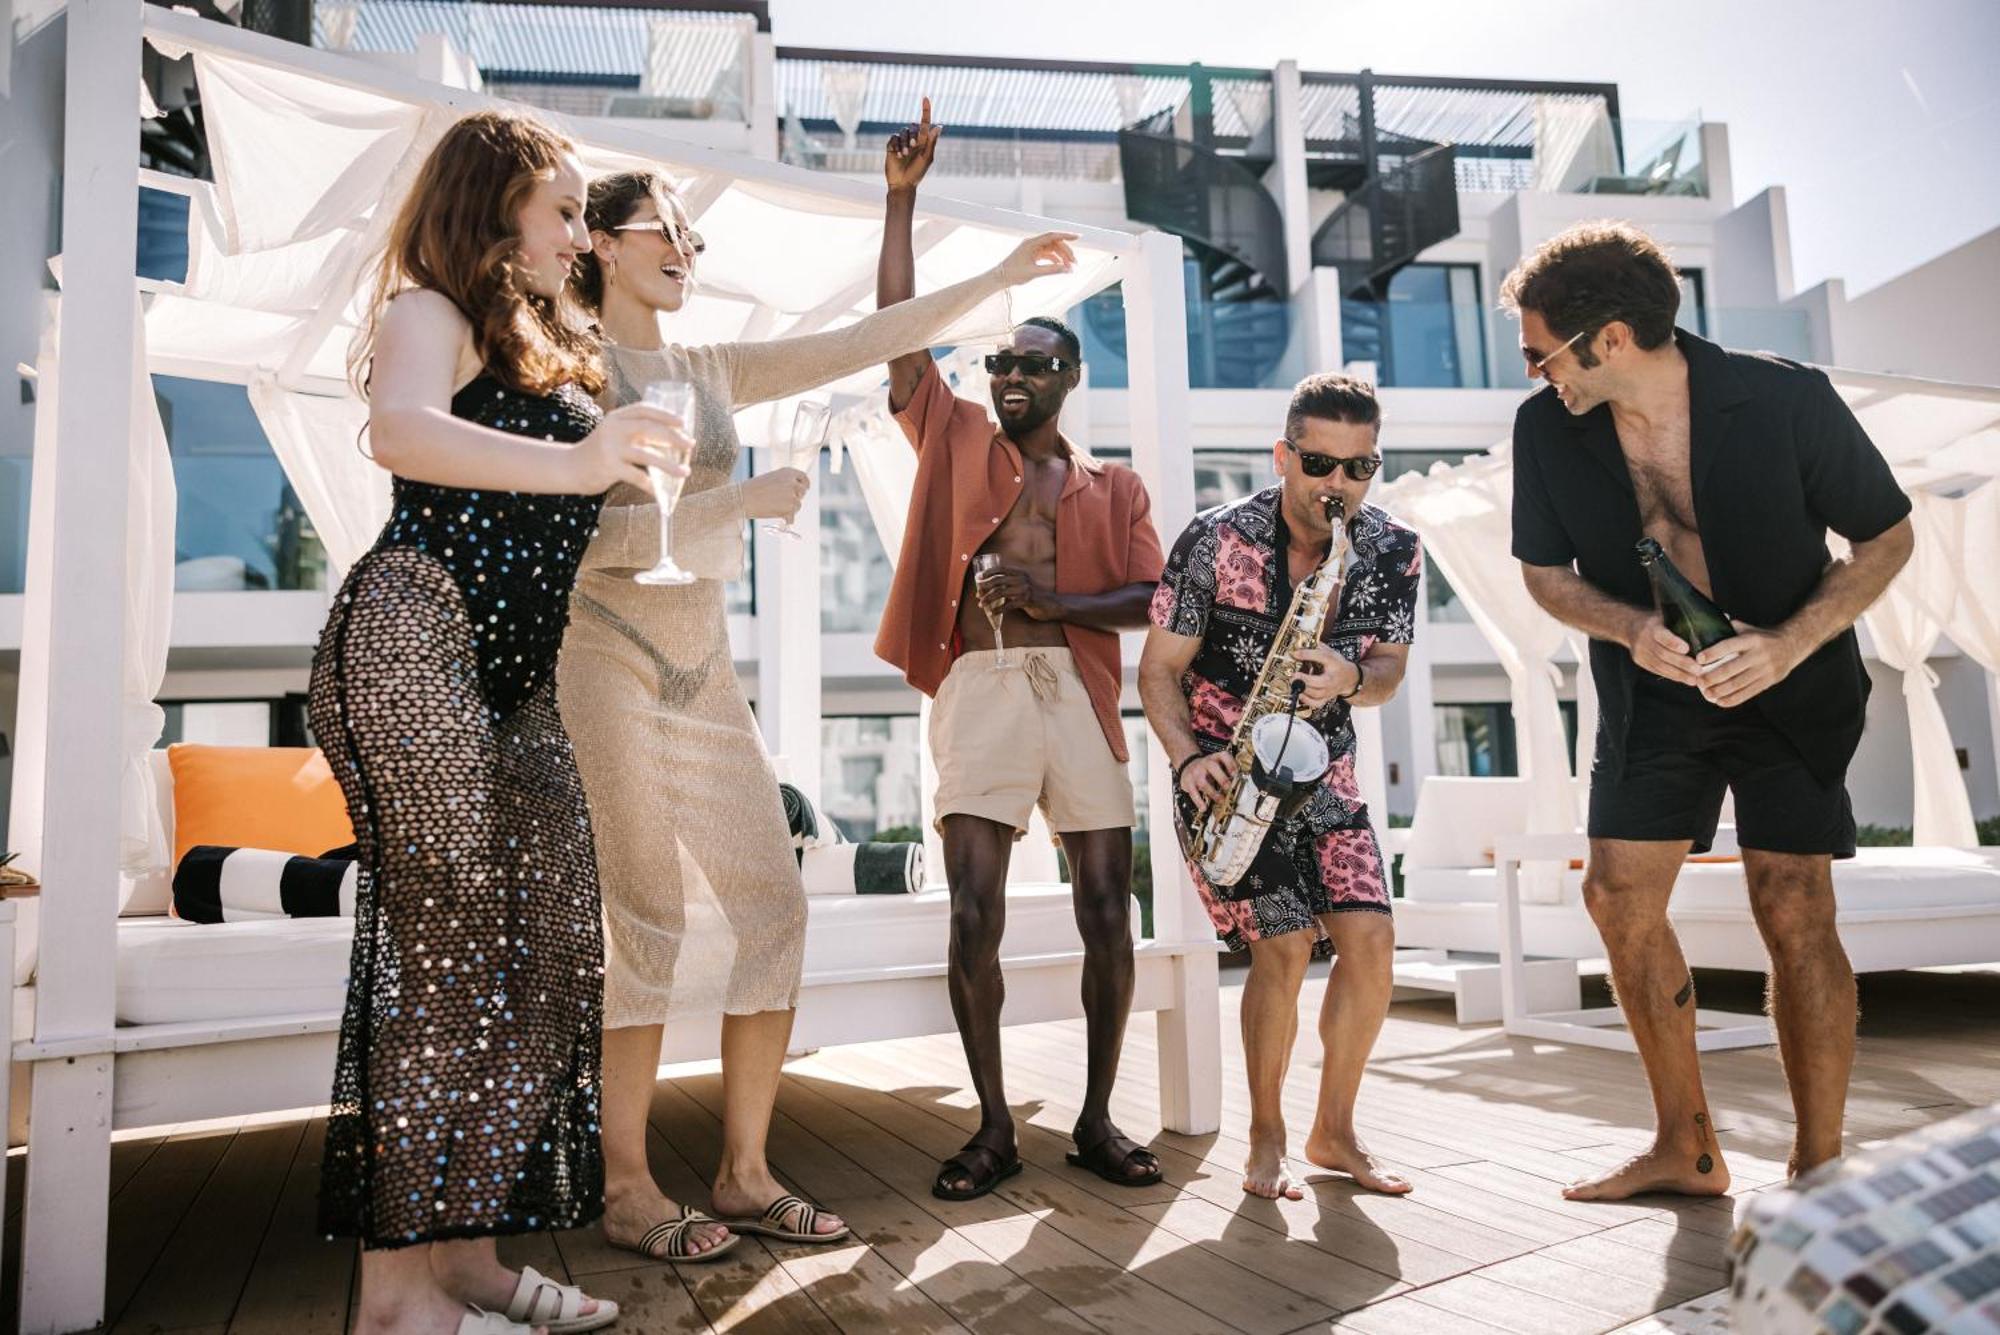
1942	442
269	302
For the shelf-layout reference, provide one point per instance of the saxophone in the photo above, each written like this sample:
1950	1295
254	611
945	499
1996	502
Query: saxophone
1279	755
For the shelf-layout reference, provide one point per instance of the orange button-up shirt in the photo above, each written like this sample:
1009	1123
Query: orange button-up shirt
968	478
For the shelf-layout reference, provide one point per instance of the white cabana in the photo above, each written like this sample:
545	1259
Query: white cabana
311	148
1943	443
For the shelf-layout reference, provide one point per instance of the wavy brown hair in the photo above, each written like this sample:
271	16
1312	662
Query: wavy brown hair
456	234
613	200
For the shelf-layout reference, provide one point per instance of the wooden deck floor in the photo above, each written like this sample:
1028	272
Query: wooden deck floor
211	1226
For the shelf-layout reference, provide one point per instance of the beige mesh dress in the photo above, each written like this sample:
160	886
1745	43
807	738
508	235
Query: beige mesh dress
692	845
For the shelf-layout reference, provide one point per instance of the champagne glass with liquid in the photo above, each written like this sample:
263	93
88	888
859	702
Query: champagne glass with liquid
809	425
676	397
984	567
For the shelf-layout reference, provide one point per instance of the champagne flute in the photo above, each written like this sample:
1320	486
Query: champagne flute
984	565
809	425
676	397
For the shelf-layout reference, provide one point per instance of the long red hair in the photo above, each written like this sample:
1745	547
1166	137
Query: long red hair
456	233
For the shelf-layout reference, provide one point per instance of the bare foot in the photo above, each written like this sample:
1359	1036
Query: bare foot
630	1213
1800	1162
1352	1158
1677	1169
747	1197
1265	1172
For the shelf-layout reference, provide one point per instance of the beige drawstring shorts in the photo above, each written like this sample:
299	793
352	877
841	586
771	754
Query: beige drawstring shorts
1006	739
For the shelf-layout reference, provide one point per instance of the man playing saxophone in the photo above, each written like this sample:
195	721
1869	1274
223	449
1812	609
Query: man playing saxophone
1222	655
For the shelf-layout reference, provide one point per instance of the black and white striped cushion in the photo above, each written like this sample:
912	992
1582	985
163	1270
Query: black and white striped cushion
217	884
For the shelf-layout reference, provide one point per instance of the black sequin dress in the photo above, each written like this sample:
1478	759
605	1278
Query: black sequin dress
465	1099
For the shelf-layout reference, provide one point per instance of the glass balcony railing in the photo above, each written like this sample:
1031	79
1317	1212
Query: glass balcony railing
1592	155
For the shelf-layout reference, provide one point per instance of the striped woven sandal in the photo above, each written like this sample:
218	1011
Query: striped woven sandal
787	1219
668	1240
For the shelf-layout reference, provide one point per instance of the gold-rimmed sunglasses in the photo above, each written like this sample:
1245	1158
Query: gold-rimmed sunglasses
1536	364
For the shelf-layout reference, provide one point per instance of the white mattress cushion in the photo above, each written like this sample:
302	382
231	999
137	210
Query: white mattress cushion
173	971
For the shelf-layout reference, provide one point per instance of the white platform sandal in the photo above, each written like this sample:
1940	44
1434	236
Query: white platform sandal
540	1301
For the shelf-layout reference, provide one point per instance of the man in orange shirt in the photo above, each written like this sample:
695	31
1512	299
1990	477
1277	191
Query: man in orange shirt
1078	560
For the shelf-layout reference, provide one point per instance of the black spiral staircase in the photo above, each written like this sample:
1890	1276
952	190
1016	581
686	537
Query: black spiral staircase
1402	198
1238	315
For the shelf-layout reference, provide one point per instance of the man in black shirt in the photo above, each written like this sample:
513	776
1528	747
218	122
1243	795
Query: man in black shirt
1737	464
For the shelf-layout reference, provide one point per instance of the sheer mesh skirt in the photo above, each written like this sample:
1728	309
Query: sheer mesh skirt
465	1098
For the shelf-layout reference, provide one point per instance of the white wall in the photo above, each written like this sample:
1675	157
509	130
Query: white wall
1940	320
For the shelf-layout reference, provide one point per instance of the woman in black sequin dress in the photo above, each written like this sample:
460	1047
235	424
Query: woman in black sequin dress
466	1095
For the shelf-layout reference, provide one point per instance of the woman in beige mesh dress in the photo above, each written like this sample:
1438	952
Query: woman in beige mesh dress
692	841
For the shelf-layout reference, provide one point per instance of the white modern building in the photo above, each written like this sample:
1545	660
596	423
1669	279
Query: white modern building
1329	219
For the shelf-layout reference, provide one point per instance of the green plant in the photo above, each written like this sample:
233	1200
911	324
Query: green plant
897	834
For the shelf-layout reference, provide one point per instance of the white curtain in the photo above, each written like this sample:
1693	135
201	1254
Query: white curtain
1905	628
148	616
149	607
1574	142
1968	529
1464	516
847	89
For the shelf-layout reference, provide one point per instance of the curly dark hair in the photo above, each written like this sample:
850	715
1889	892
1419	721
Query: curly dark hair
1595	274
456	234
1072	346
1333	398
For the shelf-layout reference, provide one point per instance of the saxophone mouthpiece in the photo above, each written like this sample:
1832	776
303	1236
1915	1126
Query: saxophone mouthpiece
1336	509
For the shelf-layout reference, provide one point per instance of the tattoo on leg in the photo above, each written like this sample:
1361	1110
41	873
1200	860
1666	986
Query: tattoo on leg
1706	1163
1686	994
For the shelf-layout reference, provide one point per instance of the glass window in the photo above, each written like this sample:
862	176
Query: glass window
854	570
239	524
1475	740
1693	314
16	471
1234	341
739	596
1430	333
870	776
163	235
1478	739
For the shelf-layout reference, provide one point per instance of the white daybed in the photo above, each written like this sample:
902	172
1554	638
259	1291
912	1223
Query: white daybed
1899	908
238	1018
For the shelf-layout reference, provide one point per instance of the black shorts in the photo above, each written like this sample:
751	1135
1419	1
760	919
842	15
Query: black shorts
1681	753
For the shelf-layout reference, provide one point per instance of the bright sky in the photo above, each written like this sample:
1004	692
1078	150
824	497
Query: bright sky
1882	120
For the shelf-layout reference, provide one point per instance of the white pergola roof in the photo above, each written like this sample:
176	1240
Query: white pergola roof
312	148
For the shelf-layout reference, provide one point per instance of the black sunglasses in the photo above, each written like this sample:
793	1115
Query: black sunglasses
1322	465
1028	363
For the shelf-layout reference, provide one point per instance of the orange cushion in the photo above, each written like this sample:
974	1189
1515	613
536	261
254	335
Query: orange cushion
275	797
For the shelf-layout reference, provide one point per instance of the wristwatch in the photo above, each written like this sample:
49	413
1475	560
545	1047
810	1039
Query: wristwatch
1360	680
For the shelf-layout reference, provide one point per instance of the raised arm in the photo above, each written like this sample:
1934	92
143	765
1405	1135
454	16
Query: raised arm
904	165
413	434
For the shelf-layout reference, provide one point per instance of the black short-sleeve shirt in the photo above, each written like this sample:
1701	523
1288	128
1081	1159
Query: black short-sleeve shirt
1777	459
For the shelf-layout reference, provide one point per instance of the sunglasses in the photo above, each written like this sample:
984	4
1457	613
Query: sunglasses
1322	465
1030	363
680	240
1539	364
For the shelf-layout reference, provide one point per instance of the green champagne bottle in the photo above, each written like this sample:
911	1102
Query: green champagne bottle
1697	621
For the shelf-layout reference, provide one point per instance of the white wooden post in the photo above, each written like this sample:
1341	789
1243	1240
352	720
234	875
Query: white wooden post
788	644
1190	1034
68	1190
